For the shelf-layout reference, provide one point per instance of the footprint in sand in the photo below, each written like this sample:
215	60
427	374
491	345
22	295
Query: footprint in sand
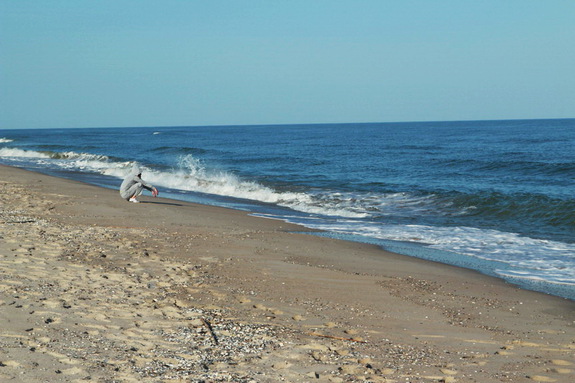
43	339
9	363
317	356
447	371
353	335
281	365
551	331
561	370
268	309
365	361
351	369
559	362
539	378
52	303
73	371
526	344
387	371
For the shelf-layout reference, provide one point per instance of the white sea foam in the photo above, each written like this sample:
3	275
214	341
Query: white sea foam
19	153
192	175
546	275
5	140
79	156
526	258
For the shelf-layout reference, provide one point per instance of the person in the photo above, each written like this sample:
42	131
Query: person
133	185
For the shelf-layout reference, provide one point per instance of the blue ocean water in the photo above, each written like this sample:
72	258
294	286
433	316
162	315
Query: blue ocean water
494	196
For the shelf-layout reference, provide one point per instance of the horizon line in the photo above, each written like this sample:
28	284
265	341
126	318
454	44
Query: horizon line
292	124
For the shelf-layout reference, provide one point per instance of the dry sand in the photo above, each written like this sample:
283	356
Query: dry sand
95	289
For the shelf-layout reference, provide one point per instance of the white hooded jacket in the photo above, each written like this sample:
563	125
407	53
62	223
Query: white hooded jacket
133	184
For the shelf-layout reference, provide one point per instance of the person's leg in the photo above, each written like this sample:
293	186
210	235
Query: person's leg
134	191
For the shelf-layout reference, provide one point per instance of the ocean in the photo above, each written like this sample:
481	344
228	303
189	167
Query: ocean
492	196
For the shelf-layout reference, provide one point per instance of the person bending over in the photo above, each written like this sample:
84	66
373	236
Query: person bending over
133	185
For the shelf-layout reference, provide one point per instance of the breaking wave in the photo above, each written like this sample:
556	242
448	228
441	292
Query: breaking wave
20	153
194	176
507	210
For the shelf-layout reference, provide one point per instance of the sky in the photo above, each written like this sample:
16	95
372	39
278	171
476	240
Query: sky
114	63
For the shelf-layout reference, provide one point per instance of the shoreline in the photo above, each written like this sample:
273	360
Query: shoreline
196	292
446	257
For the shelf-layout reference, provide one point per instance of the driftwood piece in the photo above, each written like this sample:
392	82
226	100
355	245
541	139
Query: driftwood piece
209	327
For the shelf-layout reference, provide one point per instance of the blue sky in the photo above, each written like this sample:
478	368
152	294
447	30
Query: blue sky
76	63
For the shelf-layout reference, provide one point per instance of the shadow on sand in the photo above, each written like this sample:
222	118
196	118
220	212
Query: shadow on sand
162	203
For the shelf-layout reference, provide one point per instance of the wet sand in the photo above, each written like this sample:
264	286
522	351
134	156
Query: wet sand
96	289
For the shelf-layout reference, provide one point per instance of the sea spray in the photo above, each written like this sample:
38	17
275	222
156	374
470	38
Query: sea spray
193	175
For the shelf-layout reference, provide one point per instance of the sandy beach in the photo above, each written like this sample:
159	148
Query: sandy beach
95	289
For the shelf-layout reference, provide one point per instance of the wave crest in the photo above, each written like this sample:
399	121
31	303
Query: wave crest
20	153
192	175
